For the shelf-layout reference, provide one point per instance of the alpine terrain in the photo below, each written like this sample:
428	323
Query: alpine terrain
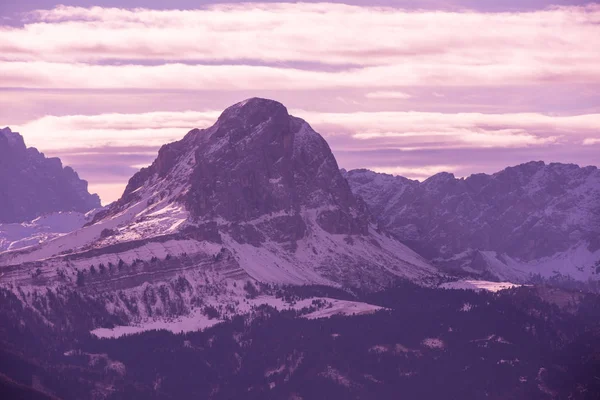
530	221
257	198
241	265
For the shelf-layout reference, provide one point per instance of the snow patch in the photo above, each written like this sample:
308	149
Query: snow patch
578	262
342	307
196	321
42	229
433	343
478	285
336	376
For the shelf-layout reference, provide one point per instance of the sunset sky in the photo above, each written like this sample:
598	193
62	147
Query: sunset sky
405	87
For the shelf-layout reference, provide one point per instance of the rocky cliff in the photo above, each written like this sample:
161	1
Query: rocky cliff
533	218
32	185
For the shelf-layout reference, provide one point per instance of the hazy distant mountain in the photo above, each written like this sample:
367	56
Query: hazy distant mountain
528	219
32	185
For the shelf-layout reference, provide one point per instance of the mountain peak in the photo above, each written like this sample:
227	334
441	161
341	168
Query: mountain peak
36	185
10	139
439	178
255	159
254	106
263	185
239	121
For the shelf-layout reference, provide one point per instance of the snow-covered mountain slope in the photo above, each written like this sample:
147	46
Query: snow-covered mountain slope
33	185
42	229
258	196
531	219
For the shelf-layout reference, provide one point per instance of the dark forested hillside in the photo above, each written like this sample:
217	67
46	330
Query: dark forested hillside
428	344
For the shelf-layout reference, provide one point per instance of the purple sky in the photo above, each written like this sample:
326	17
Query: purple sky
404	87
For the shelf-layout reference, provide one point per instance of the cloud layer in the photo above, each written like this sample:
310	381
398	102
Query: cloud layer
125	142
297	46
410	92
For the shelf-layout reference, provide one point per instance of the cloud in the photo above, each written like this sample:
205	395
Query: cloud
458	137
418	173
388	95
106	149
117	82
292	46
87	132
41	74
411	131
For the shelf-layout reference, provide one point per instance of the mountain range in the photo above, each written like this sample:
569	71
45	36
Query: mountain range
530	219
242	235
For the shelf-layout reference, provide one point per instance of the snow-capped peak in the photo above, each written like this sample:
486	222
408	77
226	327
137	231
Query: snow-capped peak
259	184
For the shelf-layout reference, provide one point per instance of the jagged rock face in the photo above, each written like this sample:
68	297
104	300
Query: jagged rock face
287	166
258	160
33	185
528	212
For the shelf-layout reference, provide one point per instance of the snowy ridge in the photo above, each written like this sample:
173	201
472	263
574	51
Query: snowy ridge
533	219
314	260
577	262
308	263
145	218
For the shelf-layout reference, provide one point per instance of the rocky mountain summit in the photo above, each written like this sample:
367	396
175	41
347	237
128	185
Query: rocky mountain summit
33	185
530	219
256	161
256	199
